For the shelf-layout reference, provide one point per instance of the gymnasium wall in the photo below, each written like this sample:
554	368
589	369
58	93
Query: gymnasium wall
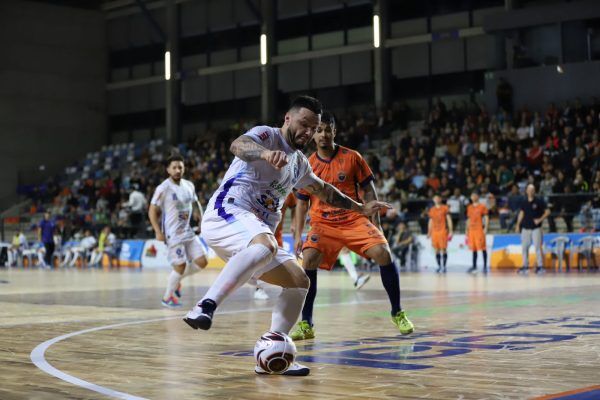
52	89
578	80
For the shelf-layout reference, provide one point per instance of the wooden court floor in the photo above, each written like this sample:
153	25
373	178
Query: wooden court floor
79	334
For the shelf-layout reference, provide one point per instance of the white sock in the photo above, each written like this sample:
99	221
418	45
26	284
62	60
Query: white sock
287	309
172	283
191	269
238	270
346	260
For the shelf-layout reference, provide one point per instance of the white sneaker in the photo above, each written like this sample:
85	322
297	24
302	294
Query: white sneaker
295	370
260	294
362	279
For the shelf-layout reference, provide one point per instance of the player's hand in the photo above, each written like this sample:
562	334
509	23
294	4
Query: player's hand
298	246
374	206
450	236
160	237
276	158
537	221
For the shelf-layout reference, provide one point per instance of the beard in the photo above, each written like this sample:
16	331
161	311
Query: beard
293	142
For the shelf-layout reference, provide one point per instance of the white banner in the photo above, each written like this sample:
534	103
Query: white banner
460	257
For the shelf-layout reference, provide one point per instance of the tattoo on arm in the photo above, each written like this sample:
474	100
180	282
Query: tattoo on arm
332	196
246	149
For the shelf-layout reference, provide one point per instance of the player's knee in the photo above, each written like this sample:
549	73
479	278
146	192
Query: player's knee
381	255
310	259
201	262
301	280
268	241
179	268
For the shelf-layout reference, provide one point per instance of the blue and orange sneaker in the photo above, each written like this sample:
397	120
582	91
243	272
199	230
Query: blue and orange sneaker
171	302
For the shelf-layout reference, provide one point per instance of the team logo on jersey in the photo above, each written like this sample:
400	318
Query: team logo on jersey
341	177
263	135
270	203
314	238
174	197
344	151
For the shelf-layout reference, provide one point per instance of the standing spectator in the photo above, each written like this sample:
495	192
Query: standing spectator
46	230
137	206
514	199
532	214
456	205
402	242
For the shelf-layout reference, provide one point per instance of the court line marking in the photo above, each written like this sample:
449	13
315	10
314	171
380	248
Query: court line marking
38	358
571	394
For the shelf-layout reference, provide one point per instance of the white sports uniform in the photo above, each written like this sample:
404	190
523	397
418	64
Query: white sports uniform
250	198
175	202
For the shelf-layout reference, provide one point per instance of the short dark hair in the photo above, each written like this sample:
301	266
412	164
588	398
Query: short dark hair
174	157
328	118
307	102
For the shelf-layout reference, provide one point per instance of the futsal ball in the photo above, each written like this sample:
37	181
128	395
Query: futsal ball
274	352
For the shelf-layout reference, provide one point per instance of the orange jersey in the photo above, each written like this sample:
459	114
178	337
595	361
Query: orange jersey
475	213
345	170
438	218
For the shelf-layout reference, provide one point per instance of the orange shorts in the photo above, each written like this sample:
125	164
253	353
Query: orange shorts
439	240
476	240
358	235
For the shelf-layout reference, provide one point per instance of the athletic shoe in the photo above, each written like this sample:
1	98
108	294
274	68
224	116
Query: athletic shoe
177	291
260	294
403	323
523	271
472	270
361	280
303	332
171	302
444	270
540	271
485	271
201	315
438	270
295	370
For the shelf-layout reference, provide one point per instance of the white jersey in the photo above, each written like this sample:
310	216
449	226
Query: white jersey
258	187
175	202
88	242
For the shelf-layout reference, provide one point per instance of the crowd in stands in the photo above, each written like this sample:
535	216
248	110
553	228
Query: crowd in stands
459	148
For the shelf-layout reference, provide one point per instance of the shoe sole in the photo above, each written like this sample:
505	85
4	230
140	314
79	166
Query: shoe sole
171	307
202	322
301	372
407	332
362	284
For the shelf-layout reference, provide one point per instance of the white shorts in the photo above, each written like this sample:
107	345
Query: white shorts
185	251
229	230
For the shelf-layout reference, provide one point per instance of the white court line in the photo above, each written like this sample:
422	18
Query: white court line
38	353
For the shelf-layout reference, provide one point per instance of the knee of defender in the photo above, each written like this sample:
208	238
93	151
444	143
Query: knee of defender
381	255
